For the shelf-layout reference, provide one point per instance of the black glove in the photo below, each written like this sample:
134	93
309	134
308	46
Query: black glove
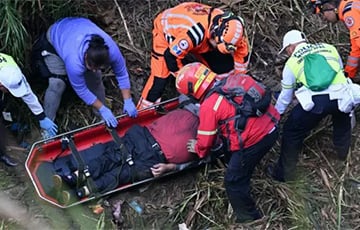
170	60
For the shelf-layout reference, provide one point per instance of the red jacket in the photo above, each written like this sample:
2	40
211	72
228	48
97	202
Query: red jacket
216	108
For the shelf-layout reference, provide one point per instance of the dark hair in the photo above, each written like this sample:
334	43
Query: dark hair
336	3
97	55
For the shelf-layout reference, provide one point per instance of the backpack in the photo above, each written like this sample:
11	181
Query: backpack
249	97
318	73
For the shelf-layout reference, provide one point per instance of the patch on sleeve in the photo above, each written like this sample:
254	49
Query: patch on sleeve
176	49
183	44
353	34
349	21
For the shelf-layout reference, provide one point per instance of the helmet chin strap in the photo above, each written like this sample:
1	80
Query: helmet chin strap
190	88
336	11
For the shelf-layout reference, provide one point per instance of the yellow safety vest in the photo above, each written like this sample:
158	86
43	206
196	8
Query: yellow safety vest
296	61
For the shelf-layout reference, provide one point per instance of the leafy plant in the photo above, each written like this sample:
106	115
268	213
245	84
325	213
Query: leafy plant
12	31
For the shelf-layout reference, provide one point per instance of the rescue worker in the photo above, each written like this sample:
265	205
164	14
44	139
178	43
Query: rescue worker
9	161
216	38
76	50
154	149
348	12
244	149
324	91
14	82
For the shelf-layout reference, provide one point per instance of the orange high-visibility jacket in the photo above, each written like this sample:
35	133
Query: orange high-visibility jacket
349	13
186	29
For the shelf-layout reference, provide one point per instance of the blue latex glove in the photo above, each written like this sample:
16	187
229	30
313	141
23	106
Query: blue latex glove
129	107
49	126
108	117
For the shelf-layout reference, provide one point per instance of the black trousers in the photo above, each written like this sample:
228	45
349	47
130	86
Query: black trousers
218	62
238	175
298	126
2	138
111	169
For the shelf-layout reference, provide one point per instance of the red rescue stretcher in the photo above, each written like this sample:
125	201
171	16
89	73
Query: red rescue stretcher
48	156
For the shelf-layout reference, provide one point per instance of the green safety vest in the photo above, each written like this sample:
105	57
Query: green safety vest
6	60
316	66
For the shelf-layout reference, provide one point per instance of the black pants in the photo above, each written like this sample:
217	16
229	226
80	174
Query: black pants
2	129
2	138
111	169
218	62
238	175
298	126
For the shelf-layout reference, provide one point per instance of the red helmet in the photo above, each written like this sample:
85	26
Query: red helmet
227	29
316	5
194	79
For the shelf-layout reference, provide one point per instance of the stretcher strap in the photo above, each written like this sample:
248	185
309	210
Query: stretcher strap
129	160
82	168
125	153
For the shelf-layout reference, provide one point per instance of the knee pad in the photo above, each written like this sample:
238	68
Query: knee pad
57	85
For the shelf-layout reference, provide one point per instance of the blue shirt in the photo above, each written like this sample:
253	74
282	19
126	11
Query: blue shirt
70	38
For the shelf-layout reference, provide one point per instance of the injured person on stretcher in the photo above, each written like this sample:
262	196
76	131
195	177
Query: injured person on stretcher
147	151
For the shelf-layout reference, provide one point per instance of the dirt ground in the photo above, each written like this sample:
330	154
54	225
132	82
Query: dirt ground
197	197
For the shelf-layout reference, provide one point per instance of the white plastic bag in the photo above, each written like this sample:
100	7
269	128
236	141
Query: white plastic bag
304	96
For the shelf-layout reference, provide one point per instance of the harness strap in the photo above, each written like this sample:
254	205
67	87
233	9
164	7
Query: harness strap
272	118
128	159
82	167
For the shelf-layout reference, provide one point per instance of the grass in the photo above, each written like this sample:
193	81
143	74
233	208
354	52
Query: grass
322	199
13	33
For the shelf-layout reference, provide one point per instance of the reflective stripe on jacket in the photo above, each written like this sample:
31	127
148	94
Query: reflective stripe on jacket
216	108
185	28
296	62
349	13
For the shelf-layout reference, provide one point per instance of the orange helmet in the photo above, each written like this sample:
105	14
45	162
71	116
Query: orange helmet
227	29
194	79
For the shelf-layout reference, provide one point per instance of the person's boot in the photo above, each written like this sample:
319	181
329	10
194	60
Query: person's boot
57	181
65	197
271	172
71	179
8	160
342	152
68	197
248	217
83	192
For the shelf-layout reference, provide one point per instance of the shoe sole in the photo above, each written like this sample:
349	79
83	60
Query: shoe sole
65	197
57	180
